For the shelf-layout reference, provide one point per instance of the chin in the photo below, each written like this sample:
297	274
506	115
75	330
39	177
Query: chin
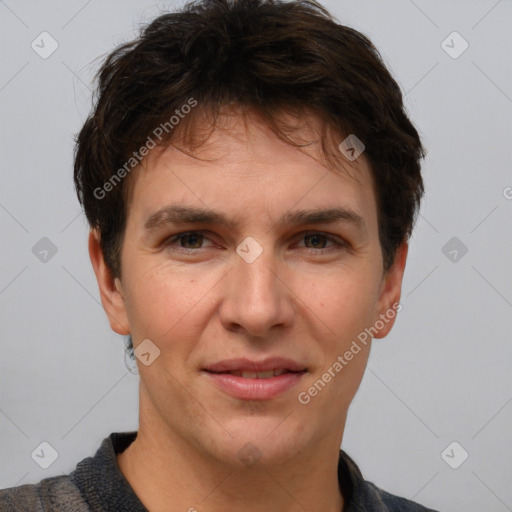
263	441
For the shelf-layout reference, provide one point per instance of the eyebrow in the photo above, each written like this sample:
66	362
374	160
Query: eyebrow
179	214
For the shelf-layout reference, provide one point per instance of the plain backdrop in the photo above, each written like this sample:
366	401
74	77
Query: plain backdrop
443	375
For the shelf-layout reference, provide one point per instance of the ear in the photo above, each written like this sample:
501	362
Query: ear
110	288
390	292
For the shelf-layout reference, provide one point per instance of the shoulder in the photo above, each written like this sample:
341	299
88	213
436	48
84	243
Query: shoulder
391	503
55	494
365	495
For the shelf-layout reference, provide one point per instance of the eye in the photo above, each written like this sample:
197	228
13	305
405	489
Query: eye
191	238
318	242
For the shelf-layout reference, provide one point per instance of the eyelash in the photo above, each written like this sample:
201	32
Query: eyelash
340	245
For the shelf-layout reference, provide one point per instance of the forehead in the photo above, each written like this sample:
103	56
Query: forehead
242	166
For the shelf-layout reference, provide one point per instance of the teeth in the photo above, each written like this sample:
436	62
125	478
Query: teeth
258	375
261	375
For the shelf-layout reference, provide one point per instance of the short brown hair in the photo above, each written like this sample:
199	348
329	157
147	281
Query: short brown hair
269	56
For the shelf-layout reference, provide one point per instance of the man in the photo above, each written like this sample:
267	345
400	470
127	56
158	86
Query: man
251	181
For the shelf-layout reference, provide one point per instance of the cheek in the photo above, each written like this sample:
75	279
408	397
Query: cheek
347	307
164	302
346	304
343	353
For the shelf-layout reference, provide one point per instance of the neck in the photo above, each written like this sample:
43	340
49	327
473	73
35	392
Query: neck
170	475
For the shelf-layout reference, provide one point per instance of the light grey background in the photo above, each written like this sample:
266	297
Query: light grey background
442	375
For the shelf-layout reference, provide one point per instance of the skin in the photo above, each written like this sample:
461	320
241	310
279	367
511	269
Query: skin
298	299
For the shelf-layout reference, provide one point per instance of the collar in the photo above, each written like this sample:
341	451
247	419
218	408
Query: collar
105	488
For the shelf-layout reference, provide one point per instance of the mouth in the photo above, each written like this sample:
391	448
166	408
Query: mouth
257	375
247	374
250	380
247	366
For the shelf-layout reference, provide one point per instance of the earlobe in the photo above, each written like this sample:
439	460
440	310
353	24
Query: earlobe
110	288
391	290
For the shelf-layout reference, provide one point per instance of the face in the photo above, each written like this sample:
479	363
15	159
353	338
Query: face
250	285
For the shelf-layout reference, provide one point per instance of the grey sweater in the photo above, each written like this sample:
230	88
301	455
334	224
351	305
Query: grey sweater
97	485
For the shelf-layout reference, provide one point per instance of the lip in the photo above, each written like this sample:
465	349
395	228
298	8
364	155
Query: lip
244	364
255	389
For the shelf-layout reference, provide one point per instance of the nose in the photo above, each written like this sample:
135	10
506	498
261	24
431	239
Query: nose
257	296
